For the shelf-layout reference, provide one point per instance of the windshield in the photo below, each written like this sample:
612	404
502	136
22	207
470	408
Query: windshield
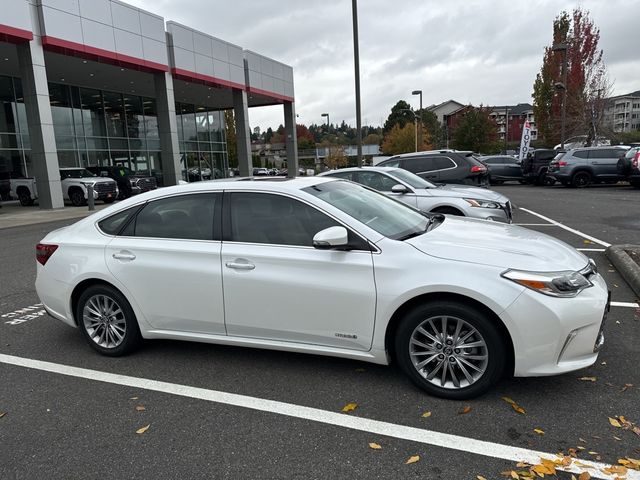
379	212
411	179
76	173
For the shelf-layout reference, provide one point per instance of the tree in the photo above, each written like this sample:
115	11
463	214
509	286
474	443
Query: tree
399	115
336	157
402	140
232	144
372	139
476	131
587	80
431	129
305	138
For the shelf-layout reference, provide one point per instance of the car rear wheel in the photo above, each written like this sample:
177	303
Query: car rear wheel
450	350
581	179
25	197
107	321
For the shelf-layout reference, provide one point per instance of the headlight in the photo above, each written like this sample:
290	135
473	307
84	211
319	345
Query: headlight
482	203
554	284
133	182
88	184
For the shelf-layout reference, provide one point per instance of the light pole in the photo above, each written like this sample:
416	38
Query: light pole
415	121
326	115
506	126
419	92
356	64
562	47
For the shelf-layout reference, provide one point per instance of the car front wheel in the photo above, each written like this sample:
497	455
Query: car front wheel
107	321
450	350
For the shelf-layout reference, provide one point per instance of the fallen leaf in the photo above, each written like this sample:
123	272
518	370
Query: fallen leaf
580	447
626	387
412	459
588	379
614	422
584	476
515	475
594	453
133	398
587	242
616	438
349	407
375	446
518	408
603	363
464	410
480	477
508	400
615	470
615	285
360	370
140	408
538	431
140	431
426	415
582	440
2	414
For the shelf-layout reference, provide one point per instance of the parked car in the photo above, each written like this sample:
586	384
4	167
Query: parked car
425	196
456	302
129	183
581	167
535	167
629	167
502	168
260	172
442	166
74	183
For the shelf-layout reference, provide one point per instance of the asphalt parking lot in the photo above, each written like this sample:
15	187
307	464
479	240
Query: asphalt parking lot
227	412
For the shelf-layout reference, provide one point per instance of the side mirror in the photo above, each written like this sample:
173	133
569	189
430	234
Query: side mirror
331	237
398	188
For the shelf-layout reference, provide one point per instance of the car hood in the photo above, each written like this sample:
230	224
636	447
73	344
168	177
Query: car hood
95	179
499	245
463	191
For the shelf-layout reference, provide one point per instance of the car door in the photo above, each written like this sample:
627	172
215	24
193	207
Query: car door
447	170
384	183
605	162
168	259
421	166
278	287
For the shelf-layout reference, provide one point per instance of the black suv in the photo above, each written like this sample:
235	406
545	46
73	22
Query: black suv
129	183
629	167
535	167
442	166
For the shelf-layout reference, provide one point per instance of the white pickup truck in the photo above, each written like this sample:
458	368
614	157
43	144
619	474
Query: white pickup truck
74	187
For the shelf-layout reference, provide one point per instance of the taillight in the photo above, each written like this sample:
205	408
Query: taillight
562	164
636	160
44	252
478	169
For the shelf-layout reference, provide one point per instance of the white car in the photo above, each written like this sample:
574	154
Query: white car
409	188
456	302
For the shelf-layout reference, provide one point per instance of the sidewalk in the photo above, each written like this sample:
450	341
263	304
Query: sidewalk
12	214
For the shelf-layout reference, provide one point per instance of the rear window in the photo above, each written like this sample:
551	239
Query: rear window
560	155
113	225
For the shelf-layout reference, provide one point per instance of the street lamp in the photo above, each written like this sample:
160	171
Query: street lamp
562	47
356	67
419	92
415	121
326	115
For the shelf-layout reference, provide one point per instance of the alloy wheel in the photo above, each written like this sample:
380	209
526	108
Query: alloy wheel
448	352
104	321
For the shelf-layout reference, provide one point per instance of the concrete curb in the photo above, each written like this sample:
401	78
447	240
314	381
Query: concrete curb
620	257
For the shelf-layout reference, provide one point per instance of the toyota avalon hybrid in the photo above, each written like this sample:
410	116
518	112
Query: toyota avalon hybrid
456	302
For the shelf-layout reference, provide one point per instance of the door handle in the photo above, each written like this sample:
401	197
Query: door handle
240	266
124	256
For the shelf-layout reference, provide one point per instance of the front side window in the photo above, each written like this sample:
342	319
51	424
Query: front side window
386	216
581	154
411	179
376	180
189	217
75	173
275	219
345	175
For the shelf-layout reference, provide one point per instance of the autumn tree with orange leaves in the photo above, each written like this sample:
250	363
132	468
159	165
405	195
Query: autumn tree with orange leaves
587	86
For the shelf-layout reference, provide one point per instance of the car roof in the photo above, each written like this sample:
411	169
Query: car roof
431	152
600	147
358	169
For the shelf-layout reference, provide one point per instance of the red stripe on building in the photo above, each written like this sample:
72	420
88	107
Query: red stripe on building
189	76
87	52
275	96
14	35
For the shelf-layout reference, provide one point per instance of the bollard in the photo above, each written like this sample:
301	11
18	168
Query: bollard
90	199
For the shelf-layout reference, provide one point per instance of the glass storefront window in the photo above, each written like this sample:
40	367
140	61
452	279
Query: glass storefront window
7	105
114	114
92	113
202	124
188	117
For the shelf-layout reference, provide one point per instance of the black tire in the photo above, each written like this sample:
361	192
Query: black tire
448	211
131	336
76	195
581	179
495	348
496	182
635	183
624	167
549	181
25	197
522	182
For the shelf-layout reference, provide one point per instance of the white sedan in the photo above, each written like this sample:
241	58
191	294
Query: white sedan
457	302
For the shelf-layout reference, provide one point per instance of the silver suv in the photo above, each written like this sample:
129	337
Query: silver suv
581	167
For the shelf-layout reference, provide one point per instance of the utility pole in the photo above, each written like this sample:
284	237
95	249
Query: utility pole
356	61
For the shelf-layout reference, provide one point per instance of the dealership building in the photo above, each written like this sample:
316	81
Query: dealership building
100	82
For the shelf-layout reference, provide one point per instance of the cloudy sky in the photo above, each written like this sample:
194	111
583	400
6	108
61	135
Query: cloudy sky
473	51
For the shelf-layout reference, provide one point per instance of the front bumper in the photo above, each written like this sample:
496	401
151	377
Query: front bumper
557	335
502	215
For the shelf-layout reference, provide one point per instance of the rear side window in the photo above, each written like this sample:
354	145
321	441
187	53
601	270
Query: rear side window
443	163
390	163
113	225
560	155
582	154
189	217
417	165
632	152
345	175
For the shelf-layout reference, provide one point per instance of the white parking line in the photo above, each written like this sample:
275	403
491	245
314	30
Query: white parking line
568	229
535	224
591	249
427	437
625	304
